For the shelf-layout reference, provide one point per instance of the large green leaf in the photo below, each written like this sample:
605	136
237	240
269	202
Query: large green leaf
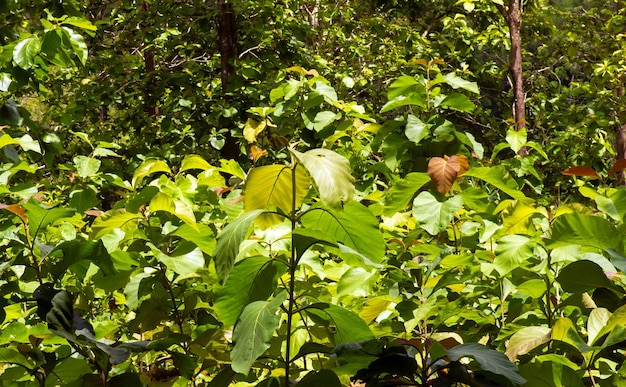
273	186
512	252
403	85
615	327
458	101
435	216
251	279
498	177
253	332
349	327
331	173
581	276
585	230
25	52
40	217
355	227
202	235
489	360
459	83
228	242
403	191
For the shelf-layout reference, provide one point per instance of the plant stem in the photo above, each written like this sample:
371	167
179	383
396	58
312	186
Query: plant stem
292	274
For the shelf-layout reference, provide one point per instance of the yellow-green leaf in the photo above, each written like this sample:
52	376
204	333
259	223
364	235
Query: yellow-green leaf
273	186
148	167
252	128
195	162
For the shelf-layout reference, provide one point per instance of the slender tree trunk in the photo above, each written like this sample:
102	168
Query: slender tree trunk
620	135
150	103
226	25
513	16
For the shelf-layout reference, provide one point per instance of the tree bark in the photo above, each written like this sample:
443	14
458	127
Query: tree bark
513	16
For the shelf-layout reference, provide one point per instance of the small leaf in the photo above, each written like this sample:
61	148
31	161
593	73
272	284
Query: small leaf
257	152
500	178
323	119
80	23
228	242
516	139
331	173
581	171
253	332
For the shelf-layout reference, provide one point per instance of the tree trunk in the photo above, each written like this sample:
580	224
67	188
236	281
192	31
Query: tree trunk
513	16
227	39
620	135
226	26
150	103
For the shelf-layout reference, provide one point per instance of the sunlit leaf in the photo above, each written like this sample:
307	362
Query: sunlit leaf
86	166
585	230
435	216
516	139
184	260
526	339
114	219
25	52
273	186
348	326
459	83
331	173
512	252
149	167
416	130
195	162
253	128
500	178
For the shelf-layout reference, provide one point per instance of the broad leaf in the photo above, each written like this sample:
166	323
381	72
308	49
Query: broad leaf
564	330
273	186
488	359
552	371
402	86
349	327
598	319
459	83
228	242
25	52
355	227
253	332
615	324
331	173
149	167
86	166
620	165
416	130
185	260
526	339
114	219
585	230
403	191
251	279
458	101
195	162
581	276
498	177
512	252
435	216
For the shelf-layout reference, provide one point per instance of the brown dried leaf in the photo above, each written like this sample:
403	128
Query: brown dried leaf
257	152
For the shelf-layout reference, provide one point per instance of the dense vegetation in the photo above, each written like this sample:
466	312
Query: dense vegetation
261	193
